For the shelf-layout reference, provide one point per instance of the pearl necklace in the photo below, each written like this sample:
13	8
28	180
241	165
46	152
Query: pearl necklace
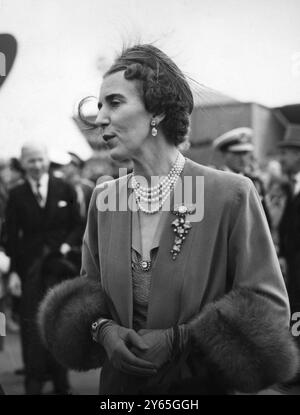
159	193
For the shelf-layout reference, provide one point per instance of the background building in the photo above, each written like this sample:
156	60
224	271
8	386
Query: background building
212	119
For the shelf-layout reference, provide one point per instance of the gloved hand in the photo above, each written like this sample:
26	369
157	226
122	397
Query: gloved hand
117	342
160	344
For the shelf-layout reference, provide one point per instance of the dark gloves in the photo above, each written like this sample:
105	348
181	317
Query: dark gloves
163	345
160	346
119	342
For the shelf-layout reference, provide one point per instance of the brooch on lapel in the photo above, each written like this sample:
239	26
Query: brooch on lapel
181	228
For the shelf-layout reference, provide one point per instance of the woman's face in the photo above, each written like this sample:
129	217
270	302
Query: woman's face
122	116
238	162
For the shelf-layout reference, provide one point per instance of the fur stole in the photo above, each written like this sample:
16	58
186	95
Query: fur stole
64	319
238	343
244	343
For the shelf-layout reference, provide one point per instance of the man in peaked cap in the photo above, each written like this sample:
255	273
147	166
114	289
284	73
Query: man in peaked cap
289	228
237	150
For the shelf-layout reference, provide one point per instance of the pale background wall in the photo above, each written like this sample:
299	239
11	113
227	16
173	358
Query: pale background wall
248	50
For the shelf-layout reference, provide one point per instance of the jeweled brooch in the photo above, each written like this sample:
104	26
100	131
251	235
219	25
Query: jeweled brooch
181	228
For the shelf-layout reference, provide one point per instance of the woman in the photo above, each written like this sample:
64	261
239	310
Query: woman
174	297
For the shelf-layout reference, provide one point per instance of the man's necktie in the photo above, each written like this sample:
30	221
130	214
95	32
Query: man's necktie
38	194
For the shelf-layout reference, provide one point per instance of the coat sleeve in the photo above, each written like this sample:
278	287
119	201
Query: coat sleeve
252	257
243	338
68	310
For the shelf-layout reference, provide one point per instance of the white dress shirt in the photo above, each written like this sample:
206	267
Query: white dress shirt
43	187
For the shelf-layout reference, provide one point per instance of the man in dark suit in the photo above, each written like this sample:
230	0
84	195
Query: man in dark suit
289	228
43	222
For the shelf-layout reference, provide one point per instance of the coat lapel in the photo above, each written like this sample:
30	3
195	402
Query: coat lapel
115	248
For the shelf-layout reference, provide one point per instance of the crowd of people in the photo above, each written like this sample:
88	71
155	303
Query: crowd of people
275	182
157	306
43	215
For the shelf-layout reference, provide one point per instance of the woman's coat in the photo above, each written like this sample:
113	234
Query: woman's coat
228	257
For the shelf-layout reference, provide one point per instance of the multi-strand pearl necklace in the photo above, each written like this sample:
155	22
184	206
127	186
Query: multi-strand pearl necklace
159	193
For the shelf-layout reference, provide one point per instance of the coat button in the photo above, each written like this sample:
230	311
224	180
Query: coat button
144	265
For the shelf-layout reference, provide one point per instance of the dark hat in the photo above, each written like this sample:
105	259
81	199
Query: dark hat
237	140
291	138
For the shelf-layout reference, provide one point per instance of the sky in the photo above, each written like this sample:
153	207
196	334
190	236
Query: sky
247	50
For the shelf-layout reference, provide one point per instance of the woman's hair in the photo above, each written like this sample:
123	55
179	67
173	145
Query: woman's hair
164	88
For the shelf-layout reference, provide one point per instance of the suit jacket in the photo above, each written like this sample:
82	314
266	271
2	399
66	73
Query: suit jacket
228	248
289	233
34	236
31	228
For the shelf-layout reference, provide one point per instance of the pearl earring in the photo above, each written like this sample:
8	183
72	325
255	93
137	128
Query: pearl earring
154	129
